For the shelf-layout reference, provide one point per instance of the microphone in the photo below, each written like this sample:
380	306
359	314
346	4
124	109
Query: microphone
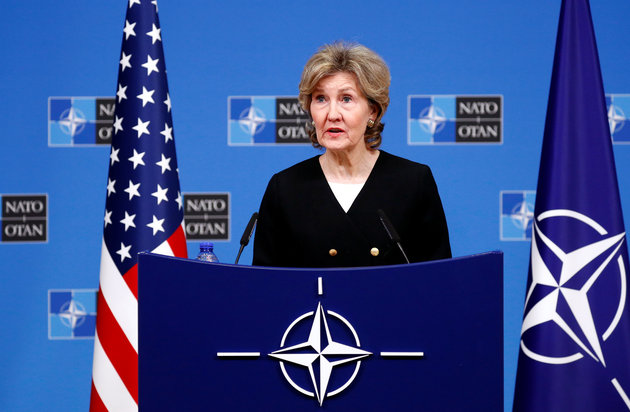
391	232
247	234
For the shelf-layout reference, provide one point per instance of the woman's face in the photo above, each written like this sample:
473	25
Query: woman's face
340	112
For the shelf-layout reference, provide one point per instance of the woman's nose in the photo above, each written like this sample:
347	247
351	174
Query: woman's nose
333	111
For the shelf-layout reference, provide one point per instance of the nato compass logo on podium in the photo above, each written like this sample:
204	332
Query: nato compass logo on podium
578	291
618	108
266	120
517	214
80	121
320	353
447	119
71	314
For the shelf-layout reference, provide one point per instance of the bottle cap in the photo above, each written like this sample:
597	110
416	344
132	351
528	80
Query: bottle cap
206	246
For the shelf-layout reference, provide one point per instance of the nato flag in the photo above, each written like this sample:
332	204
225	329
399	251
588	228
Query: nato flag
575	340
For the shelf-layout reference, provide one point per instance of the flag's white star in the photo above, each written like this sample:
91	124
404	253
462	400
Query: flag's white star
110	186
165	163
124	252
133	190
167	133
132	2
124	61
136	159
575	296
160	194
121	93
113	156
118	124
129	29
146	96
154	2
154	34
178	199
108	218
156	225
151	65
142	127
128	220
167	102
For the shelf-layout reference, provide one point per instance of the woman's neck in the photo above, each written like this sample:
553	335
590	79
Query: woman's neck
348	167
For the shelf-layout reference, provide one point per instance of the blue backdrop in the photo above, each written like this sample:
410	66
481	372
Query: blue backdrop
214	50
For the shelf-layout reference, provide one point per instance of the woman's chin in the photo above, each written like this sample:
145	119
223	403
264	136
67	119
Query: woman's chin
337	145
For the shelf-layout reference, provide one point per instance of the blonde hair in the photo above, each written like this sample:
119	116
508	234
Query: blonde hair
370	70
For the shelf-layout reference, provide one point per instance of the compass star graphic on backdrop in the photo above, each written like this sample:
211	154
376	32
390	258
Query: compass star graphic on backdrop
315	353
72	314
432	119
576	297
72	121
252	120
616	118
522	215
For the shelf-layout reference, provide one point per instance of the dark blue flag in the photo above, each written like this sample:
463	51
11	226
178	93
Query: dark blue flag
575	340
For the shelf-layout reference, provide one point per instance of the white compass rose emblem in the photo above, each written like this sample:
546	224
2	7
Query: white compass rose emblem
567	304
432	119
72	314
72	121
320	352
522	214
252	120
616	118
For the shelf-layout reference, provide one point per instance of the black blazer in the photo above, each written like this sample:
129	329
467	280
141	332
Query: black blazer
301	223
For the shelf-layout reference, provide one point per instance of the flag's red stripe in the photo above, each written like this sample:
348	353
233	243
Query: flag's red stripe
131	279
177	242
96	404
117	347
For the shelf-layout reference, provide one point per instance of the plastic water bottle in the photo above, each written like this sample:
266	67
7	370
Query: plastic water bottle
206	252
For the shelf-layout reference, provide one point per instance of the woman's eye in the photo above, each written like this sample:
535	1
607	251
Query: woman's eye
347	99
319	99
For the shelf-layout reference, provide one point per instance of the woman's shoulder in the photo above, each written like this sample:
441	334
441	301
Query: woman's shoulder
304	169
392	162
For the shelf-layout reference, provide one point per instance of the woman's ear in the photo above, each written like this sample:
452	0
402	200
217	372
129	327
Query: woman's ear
374	111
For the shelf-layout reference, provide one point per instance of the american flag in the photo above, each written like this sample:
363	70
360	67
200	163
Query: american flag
143	210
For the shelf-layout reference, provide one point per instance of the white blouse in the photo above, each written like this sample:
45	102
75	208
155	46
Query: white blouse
346	193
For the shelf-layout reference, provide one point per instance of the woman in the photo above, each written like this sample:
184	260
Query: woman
322	212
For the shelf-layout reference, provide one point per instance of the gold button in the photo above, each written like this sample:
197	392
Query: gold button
374	251
332	252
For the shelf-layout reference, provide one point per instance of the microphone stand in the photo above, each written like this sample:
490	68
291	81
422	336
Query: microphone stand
247	234
391	232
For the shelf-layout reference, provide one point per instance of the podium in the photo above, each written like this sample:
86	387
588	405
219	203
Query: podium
419	337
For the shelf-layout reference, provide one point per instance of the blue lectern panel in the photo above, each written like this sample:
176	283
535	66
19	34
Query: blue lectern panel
421	337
